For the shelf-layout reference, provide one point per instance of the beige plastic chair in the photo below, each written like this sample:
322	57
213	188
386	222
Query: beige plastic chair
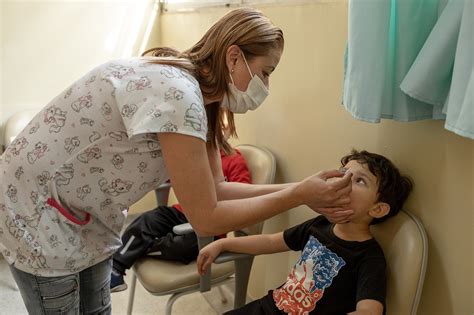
16	123
405	245
160	277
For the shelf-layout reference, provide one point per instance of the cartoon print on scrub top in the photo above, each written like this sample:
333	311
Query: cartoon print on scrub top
106	111
82	102
70	144
194	117
128	110
55	118
173	93
38	152
87	177
308	279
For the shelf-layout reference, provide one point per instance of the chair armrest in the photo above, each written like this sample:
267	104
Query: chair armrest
205	279
186	228
183	229
162	194
164	186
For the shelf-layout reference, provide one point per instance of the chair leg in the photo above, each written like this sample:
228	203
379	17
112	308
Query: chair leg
223	297
173	298
242	274
131	296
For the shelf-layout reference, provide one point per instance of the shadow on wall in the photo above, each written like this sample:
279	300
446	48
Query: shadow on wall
436	279
424	151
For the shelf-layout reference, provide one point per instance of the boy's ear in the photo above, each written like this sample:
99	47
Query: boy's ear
379	210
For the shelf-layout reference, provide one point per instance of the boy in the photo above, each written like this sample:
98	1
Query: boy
342	268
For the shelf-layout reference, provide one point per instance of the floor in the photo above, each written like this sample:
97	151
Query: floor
208	303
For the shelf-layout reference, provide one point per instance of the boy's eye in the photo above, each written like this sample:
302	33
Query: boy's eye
265	74
360	180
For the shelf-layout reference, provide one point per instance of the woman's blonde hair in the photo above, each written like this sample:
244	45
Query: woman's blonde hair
247	28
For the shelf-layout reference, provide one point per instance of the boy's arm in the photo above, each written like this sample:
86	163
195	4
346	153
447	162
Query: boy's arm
368	307
254	244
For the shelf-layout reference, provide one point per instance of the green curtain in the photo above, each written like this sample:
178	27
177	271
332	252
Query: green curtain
411	60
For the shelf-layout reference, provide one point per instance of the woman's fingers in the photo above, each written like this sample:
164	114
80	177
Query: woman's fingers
330	174
331	188
336	214
343	215
342	183
341	201
342	188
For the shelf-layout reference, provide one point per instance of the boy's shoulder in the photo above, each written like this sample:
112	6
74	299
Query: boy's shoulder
321	220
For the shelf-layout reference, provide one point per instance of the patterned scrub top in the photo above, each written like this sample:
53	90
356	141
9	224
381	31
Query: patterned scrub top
70	175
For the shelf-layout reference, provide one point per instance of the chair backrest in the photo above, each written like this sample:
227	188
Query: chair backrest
16	123
262	166
405	245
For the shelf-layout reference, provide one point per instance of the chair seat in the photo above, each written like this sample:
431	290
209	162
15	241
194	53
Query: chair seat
175	276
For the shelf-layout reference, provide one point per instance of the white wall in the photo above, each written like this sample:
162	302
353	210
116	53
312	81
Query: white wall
1	73
47	45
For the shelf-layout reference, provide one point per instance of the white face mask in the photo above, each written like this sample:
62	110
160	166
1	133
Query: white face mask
240	102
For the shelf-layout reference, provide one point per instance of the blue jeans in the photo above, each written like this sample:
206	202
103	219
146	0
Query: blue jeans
86	292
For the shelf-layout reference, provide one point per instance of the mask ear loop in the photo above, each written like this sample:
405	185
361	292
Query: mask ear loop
230	75
248	68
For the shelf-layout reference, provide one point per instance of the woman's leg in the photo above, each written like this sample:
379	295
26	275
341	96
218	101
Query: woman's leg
48	295
95	289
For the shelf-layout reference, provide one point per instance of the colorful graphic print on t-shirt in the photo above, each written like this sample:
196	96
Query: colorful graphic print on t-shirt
308	279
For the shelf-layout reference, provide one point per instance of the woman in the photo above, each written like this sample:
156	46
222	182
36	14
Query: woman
120	131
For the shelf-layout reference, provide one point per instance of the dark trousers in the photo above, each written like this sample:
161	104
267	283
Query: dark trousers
262	306
252	308
152	232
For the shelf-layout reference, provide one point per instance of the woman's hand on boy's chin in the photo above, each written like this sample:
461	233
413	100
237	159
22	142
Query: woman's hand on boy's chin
336	215
323	191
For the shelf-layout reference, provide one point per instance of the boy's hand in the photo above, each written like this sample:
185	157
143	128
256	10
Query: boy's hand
207	255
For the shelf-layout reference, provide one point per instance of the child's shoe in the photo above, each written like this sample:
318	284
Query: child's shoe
117	283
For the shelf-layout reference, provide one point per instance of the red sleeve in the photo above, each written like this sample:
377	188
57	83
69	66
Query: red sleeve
235	168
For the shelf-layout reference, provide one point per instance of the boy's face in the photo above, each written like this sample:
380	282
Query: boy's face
364	191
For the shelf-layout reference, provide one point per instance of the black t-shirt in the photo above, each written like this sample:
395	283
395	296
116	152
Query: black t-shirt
331	276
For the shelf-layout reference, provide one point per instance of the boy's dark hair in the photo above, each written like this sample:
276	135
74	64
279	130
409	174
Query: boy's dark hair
394	188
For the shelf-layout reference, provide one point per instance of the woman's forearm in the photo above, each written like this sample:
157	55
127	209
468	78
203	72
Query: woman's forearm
231	215
233	190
